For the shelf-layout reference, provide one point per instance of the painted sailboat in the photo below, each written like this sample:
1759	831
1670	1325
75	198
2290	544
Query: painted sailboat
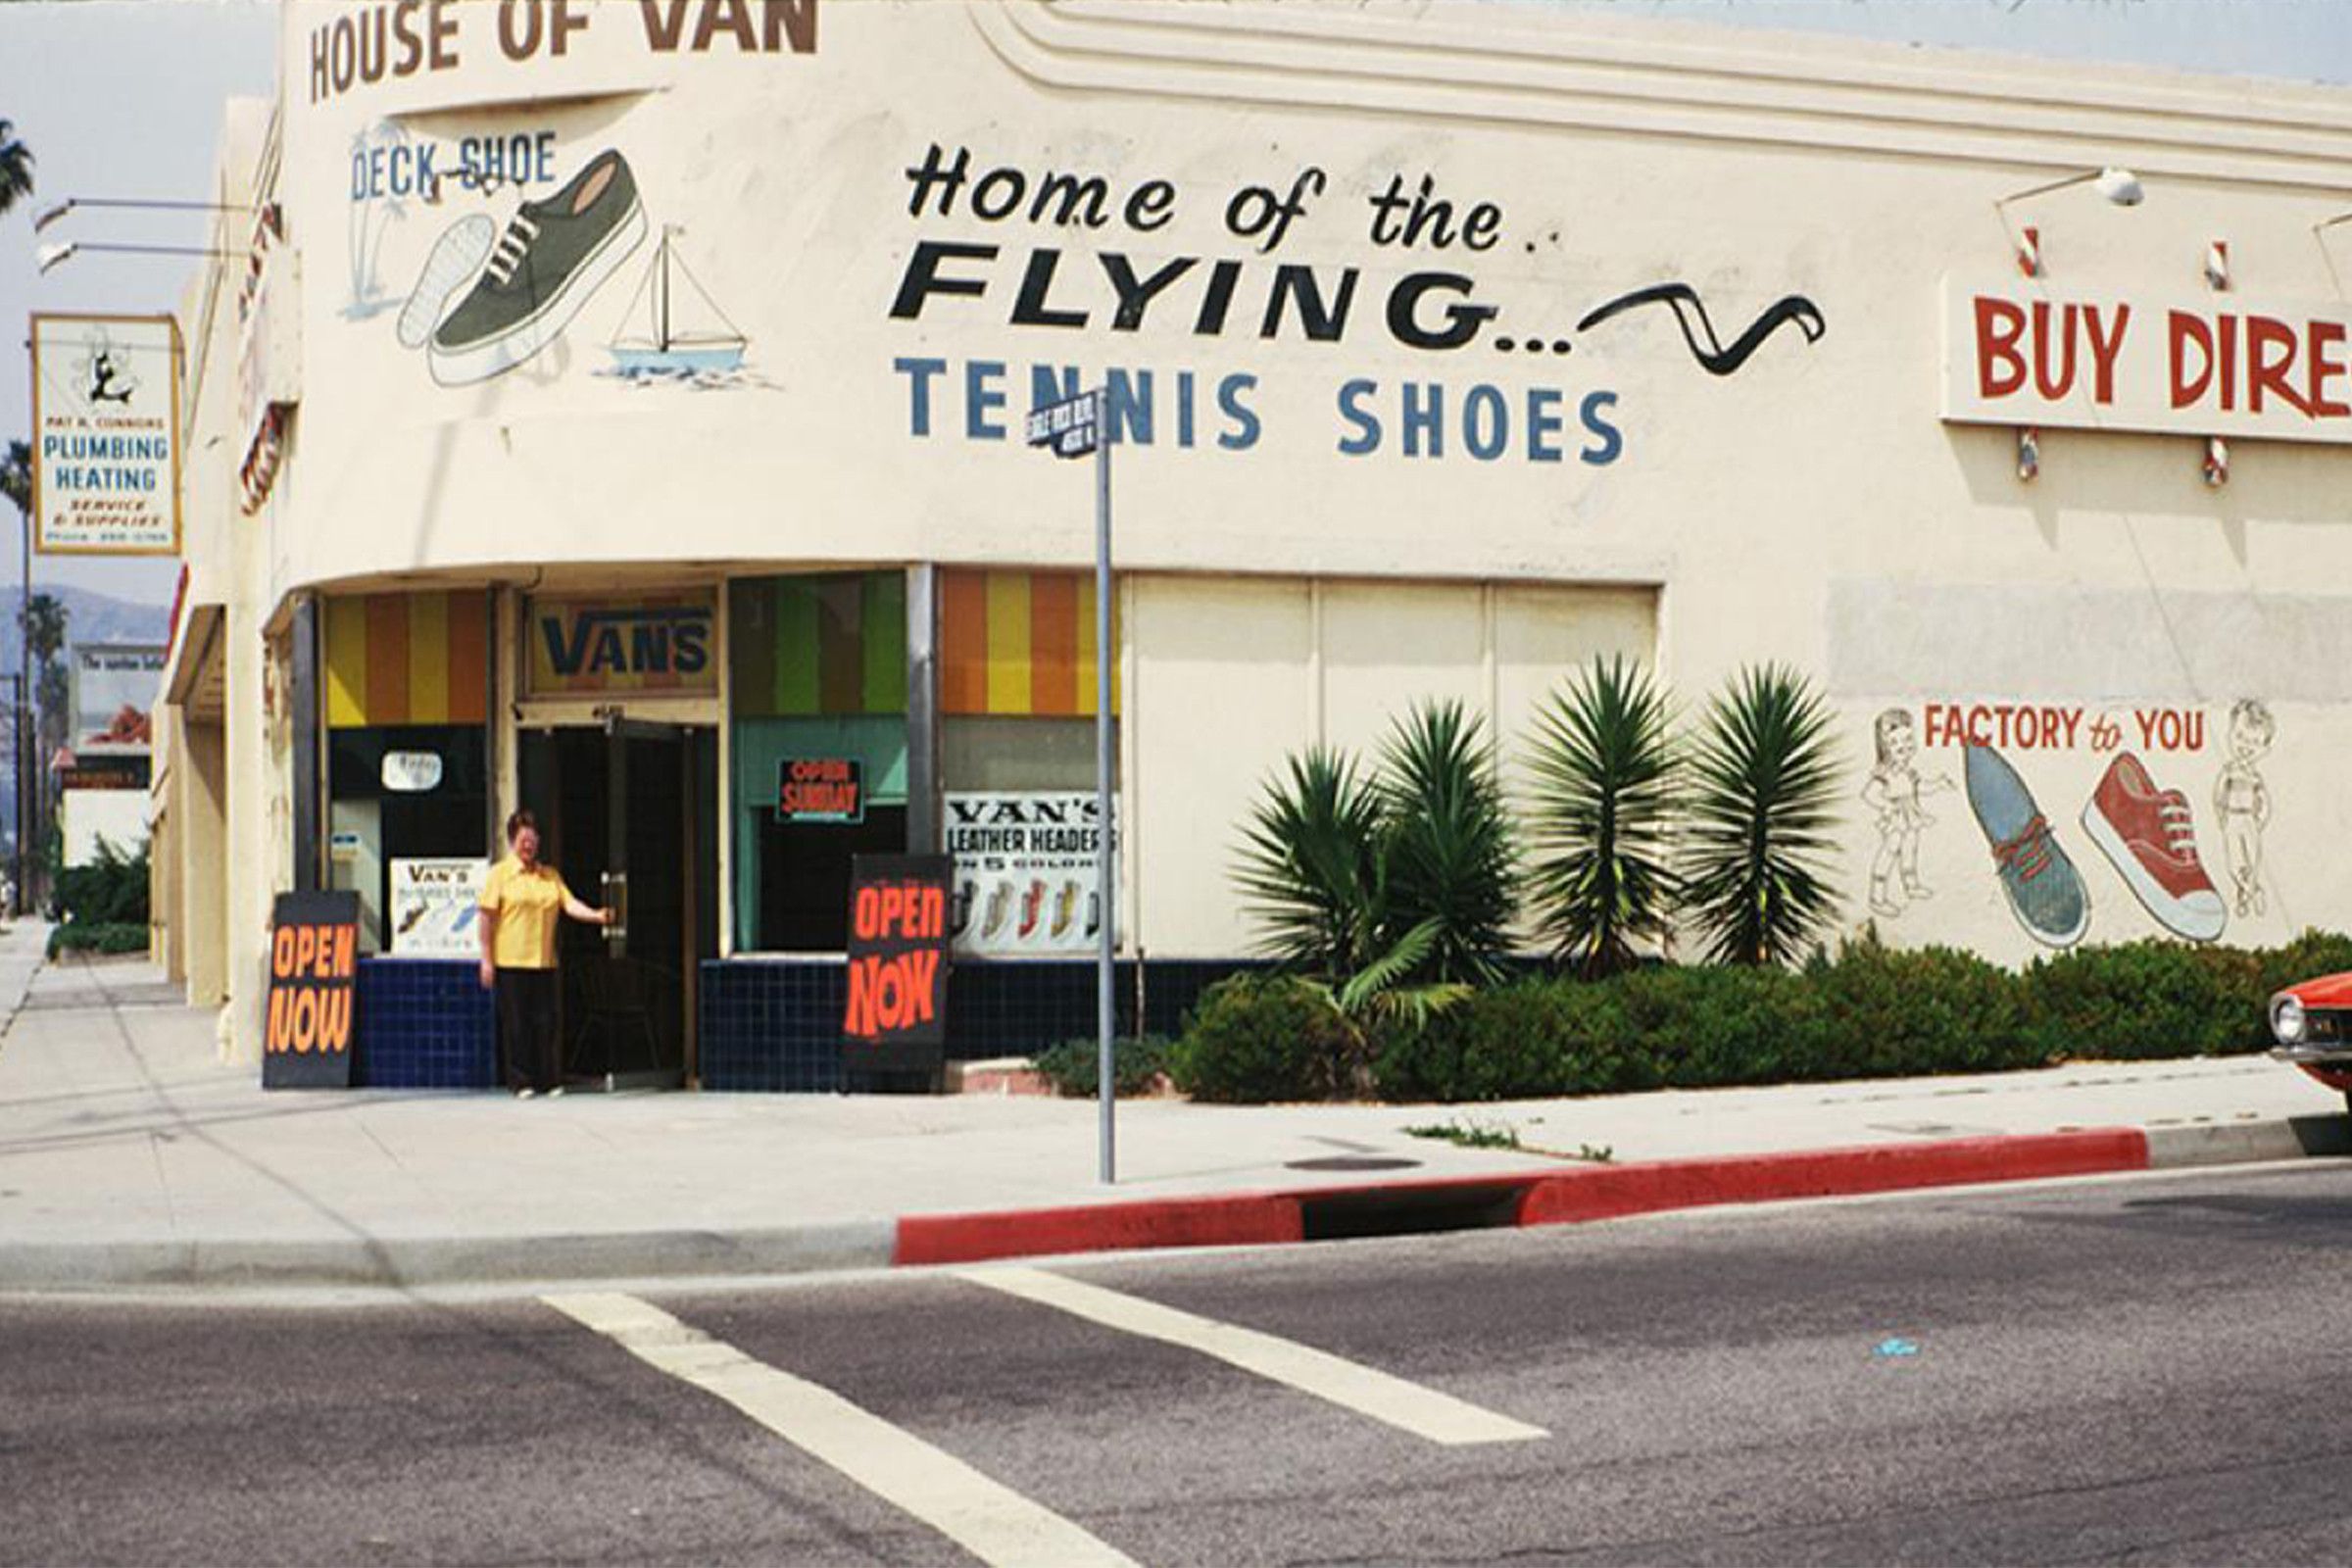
670	331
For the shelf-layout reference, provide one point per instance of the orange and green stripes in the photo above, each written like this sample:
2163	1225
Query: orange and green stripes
406	658
805	647
1019	641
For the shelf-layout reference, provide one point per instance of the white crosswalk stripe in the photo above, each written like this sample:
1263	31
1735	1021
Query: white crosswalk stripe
992	1522
1424	1412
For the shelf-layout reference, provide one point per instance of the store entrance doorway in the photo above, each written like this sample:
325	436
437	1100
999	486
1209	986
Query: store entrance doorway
629	814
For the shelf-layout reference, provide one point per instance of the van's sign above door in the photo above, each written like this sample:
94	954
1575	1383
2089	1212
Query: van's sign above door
653	643
2227	365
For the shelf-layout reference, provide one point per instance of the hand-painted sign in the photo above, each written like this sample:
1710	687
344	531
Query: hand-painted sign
2022	353
1027	871
434	904
313	974
105	435
820	789
897	991
653	643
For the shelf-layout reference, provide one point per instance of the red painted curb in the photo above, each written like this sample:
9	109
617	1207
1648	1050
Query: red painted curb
1604	1192
1608	1191
1239	1220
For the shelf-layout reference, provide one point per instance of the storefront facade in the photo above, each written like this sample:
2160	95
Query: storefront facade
639	439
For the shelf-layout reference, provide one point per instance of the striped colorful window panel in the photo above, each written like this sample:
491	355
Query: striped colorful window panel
806	646
406	658
1020	643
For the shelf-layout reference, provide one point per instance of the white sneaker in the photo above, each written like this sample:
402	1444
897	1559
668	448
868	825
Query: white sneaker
456	260
555	1093
525	1093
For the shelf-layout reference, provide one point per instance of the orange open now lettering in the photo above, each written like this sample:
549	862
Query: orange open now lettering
891	994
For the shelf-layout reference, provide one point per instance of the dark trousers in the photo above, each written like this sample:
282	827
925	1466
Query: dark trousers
531	1048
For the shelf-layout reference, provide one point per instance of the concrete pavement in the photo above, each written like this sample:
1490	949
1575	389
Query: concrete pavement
131	1157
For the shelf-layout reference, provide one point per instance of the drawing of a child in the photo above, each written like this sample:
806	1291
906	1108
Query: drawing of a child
2242	801
1893	791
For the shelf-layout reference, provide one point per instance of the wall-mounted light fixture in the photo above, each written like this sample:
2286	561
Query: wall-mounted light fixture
52	256
74	203
2119	187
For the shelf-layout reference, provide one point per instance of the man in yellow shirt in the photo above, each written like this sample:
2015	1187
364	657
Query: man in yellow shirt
522	898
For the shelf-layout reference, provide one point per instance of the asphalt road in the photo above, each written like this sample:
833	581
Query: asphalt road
2149	1370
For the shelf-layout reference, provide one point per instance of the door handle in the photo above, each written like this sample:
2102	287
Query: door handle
617	900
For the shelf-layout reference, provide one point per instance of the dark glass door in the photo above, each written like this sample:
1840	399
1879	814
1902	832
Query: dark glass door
629	819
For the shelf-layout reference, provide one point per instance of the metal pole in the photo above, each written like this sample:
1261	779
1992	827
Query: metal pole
27	779
1105	860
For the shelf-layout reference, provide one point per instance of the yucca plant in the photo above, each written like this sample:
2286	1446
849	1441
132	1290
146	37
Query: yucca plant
1761	786
1602	763
1389	894
1309	866
1447	853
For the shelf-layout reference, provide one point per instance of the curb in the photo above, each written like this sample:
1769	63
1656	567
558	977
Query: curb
1226	1219
1605	1192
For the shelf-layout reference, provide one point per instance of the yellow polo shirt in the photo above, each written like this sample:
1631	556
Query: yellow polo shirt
527	905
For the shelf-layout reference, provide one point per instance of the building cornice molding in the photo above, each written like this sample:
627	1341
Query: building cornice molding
1497	64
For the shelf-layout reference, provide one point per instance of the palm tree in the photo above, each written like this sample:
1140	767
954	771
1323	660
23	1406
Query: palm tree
44	628
1763	780
16	168
1603	768
15	475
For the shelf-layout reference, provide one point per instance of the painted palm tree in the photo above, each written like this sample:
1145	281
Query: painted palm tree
16	168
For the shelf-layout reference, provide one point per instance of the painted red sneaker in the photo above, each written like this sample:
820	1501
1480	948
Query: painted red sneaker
2148	835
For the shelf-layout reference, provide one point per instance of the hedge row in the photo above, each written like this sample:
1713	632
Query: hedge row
1871	1012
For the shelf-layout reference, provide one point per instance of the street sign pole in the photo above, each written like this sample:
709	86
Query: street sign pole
1071	429
1107	861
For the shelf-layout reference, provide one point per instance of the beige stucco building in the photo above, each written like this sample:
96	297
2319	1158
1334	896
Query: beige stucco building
624	403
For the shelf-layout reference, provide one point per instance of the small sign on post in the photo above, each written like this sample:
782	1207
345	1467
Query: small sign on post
1068	426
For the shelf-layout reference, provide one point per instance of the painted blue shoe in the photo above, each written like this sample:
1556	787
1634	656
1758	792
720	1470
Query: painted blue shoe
2045	891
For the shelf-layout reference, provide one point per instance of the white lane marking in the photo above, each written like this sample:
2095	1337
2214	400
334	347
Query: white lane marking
992	1522
1424	1412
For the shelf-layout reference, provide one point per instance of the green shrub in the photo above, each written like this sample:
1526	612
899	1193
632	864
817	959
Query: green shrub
112	890
1256	1038
1533	1038
96	936
2145	999
1074	1066
1886	1013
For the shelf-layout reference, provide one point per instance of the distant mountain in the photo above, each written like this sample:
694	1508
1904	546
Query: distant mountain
90	618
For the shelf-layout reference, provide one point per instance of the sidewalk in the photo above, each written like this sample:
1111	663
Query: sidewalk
132	1157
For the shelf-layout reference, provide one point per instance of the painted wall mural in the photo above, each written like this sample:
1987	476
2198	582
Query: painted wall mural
508	272
2141	813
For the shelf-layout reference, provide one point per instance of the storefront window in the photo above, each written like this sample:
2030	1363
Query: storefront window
1017	698
408	776
818	674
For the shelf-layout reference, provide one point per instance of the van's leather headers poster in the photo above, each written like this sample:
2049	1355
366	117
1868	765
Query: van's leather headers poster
313	975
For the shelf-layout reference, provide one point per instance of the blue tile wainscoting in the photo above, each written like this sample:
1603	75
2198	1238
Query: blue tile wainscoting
424	1023
774	1024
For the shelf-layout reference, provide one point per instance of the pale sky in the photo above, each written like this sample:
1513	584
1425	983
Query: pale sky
121	98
